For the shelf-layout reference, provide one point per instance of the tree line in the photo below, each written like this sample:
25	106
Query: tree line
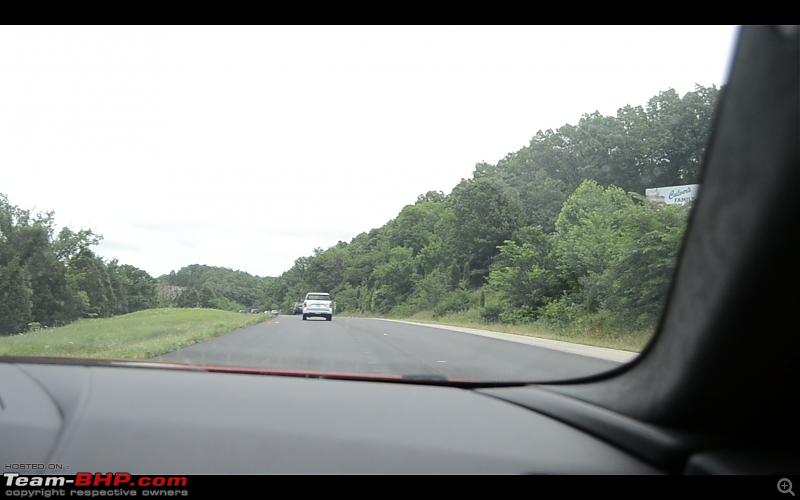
49	279
216	288
557	231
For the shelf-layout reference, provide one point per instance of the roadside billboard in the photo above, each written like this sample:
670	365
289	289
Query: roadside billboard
673	195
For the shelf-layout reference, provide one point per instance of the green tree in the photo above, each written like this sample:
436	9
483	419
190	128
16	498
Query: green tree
431	256
564	265
141	288
120	284
458	300
430	197
588	235
189	298
638	281
89	274
659	144
235	286
70	243
15	300
410	229
44	273
525	273
206	298
394	280
465	275
430	289
485	215
326	270
455	277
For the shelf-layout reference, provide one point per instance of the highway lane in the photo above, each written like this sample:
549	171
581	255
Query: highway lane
375	347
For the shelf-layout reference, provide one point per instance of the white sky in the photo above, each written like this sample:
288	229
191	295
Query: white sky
246	147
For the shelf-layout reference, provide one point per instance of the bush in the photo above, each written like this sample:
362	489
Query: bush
518	315
561	312
430	290
455	301
189	298
491	314
225	304
403	311
597	324
346	299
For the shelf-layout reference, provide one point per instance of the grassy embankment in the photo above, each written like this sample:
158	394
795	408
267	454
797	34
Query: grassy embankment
587	332
138	335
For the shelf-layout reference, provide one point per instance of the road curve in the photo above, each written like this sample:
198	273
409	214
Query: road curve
375	347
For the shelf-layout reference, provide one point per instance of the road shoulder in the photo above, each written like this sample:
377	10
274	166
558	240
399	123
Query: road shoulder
581	349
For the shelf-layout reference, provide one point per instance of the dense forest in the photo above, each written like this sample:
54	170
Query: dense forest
49	279
214	287
556	232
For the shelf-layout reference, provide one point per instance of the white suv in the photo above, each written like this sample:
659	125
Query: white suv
318	304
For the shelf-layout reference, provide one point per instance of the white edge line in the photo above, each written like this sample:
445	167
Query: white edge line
557	345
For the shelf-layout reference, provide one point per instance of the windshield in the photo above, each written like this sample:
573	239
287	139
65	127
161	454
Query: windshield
501	203
317	296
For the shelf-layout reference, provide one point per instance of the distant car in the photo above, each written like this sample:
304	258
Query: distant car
275	312
298	308
318	304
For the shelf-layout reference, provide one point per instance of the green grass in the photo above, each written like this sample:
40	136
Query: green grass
587	334
138	335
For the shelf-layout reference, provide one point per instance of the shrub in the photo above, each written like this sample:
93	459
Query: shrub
561	312
491	314
403	311
518	315
225	304
458	300
597	324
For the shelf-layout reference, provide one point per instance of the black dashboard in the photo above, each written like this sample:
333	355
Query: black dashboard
186	420
150	420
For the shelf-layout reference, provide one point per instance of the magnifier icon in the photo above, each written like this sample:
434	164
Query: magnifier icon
785	486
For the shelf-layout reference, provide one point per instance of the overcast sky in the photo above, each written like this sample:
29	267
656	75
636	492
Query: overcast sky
247	147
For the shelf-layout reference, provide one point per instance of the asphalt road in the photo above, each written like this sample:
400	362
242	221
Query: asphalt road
375	347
